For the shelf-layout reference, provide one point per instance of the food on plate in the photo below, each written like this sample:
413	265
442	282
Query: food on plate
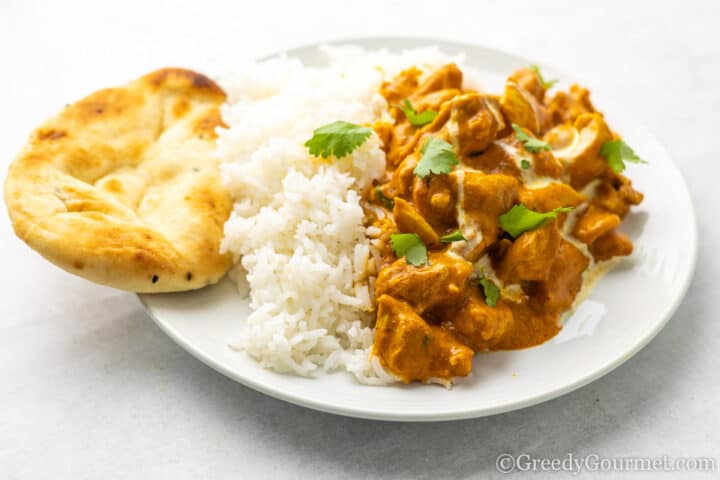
120	187
393	218
387	214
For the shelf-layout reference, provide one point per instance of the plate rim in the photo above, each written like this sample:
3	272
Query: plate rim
374	414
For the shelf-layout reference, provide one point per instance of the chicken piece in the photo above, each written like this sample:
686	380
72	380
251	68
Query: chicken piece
408	220
402	143
581	152
402	86
447	76
588	164
611	244
543	162
407	138
504	155
496	158
531	255
435	92
546	165
594	223
413	350
435	198
626	191
475	121
561	138
528	80
564	281
479	325
483	199
384	130
548	198
402	179
434	100
405	85
441	283
566	107
617	199
521	107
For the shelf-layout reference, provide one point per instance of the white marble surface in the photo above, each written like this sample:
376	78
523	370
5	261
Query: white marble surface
92	389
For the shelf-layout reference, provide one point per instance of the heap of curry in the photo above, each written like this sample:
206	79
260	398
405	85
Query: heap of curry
479	286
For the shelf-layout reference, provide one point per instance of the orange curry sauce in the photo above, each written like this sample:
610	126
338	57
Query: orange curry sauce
431	319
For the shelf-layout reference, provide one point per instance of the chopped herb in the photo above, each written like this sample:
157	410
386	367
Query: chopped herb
410	246
415	118
524	164
455	236
426	340
337	139
492	292
521	219
531	144
438	157
616	153
545	83
387	202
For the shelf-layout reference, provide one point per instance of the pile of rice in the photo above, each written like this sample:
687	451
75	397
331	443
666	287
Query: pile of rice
297	231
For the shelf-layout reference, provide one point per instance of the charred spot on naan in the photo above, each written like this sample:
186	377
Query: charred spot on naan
206	126
50	134
182	79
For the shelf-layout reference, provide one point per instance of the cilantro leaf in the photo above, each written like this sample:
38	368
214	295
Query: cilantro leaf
455	236
531	144
616	153
547	84
410	246
337	139
415	118
388	202
521	219
492	292
438	157
524	164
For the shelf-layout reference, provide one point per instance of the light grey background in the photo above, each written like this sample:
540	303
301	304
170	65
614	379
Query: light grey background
90	388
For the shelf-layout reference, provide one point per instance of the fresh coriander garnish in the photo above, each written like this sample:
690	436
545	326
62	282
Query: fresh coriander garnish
492	292
337	139
531	144
388	202
521	219
547	84
438	157
455	236
415	118
616	153
524	164
410	246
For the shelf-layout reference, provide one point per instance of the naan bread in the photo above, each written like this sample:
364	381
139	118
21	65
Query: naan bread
121	187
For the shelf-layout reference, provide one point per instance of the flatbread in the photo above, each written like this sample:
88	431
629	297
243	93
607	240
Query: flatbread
121	187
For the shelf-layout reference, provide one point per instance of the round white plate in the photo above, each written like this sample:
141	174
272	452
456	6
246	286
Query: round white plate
624	312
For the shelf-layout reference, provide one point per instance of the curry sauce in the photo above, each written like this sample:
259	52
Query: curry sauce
522	148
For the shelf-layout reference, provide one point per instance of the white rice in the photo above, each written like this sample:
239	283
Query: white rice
296	231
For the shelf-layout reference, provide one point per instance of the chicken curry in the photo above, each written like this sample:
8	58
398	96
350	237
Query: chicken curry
493	210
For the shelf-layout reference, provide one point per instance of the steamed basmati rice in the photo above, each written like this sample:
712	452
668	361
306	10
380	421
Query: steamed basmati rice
297	231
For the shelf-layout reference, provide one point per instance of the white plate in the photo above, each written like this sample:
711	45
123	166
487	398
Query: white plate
625	311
